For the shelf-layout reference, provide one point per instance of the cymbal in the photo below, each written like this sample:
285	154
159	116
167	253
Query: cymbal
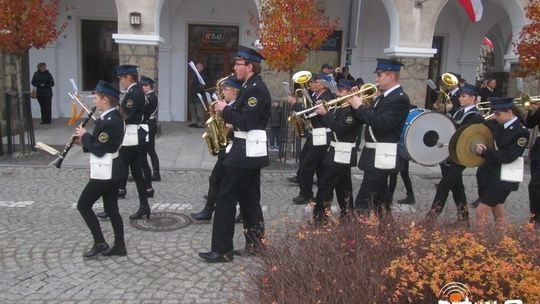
465	141
452	145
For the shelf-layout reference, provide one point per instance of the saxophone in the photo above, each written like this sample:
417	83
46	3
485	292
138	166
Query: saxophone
216	133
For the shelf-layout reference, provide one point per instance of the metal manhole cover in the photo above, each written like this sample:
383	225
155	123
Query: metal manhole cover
162	221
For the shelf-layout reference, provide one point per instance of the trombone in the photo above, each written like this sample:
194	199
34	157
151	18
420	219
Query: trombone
485	109
367	91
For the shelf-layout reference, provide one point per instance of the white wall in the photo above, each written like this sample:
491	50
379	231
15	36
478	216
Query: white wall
63	58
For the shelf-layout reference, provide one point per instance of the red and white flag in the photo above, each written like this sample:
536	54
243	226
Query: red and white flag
473	8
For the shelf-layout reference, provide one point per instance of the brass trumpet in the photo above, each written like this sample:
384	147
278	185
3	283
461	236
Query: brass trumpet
367	91
525	101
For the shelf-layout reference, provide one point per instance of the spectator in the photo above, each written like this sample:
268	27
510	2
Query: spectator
43	81
343	73
489	90
275	125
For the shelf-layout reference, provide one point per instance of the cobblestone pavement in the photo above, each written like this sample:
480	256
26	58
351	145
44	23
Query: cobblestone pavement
43	237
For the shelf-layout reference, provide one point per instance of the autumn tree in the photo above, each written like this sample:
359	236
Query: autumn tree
26	24
288	30
528	46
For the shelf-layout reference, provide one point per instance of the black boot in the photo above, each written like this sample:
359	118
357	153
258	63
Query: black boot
143	210
119	249
102	215
463	216
122	193
214	257
150	192
409	200
204	215
96	249
156	177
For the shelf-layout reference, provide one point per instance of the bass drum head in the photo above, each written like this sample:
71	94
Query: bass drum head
427	138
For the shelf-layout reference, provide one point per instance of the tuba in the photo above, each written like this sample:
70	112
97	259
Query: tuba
447	80
216	133
299	123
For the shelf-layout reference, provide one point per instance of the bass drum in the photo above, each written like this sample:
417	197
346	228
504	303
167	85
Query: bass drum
425	137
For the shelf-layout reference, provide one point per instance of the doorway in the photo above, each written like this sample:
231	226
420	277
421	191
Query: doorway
215	46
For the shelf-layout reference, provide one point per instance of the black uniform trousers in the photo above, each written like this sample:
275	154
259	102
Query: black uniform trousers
534	188
392	182
151	145
238	185
452	180
373	194
45	104
338	178
133	157
217	175
91	193
312	163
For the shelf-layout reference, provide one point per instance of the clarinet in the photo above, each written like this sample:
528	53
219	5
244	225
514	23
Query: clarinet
58	162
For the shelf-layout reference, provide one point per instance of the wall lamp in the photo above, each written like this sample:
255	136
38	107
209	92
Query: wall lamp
135	18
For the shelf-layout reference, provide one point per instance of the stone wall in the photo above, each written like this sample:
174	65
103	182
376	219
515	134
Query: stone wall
145	56
414	74
8	79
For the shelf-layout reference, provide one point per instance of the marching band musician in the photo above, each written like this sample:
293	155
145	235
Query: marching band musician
231	90
133	150
452	173
150	118
384	121
340	158
454	92
510	139
248	154
106	170
316	145
532	120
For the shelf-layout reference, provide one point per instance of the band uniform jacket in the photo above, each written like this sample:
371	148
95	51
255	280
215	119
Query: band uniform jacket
106	138
386	118
531	121
315	121
151	109
510	144
132	108
251	111
344	128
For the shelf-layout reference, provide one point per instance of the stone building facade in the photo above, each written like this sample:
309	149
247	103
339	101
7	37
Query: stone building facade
429	37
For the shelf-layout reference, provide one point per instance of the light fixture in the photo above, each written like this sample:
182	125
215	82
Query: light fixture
419	3
135	18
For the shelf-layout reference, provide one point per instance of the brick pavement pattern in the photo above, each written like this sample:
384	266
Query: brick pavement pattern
43	238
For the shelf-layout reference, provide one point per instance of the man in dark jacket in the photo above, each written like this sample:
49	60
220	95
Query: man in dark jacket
43	81
532	120
384	121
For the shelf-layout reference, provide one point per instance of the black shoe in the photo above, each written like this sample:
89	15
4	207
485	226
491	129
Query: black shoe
130	179
192	125
156	177
239	219
293	179
300	200
150	192
475	203
102	215
214	257
140	213
204	215
96	249
122	193
116	249
409	200
205	196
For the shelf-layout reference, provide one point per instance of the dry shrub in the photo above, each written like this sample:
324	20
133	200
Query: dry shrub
394	261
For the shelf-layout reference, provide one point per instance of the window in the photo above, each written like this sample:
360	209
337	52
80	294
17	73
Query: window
99	52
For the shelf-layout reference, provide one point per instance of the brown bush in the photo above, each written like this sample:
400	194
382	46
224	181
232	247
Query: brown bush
395	261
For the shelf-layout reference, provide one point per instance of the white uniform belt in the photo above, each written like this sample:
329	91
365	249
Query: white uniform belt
114	155
327	130
350	145
240	134
371	145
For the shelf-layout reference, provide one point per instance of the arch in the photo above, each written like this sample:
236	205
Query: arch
393	18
